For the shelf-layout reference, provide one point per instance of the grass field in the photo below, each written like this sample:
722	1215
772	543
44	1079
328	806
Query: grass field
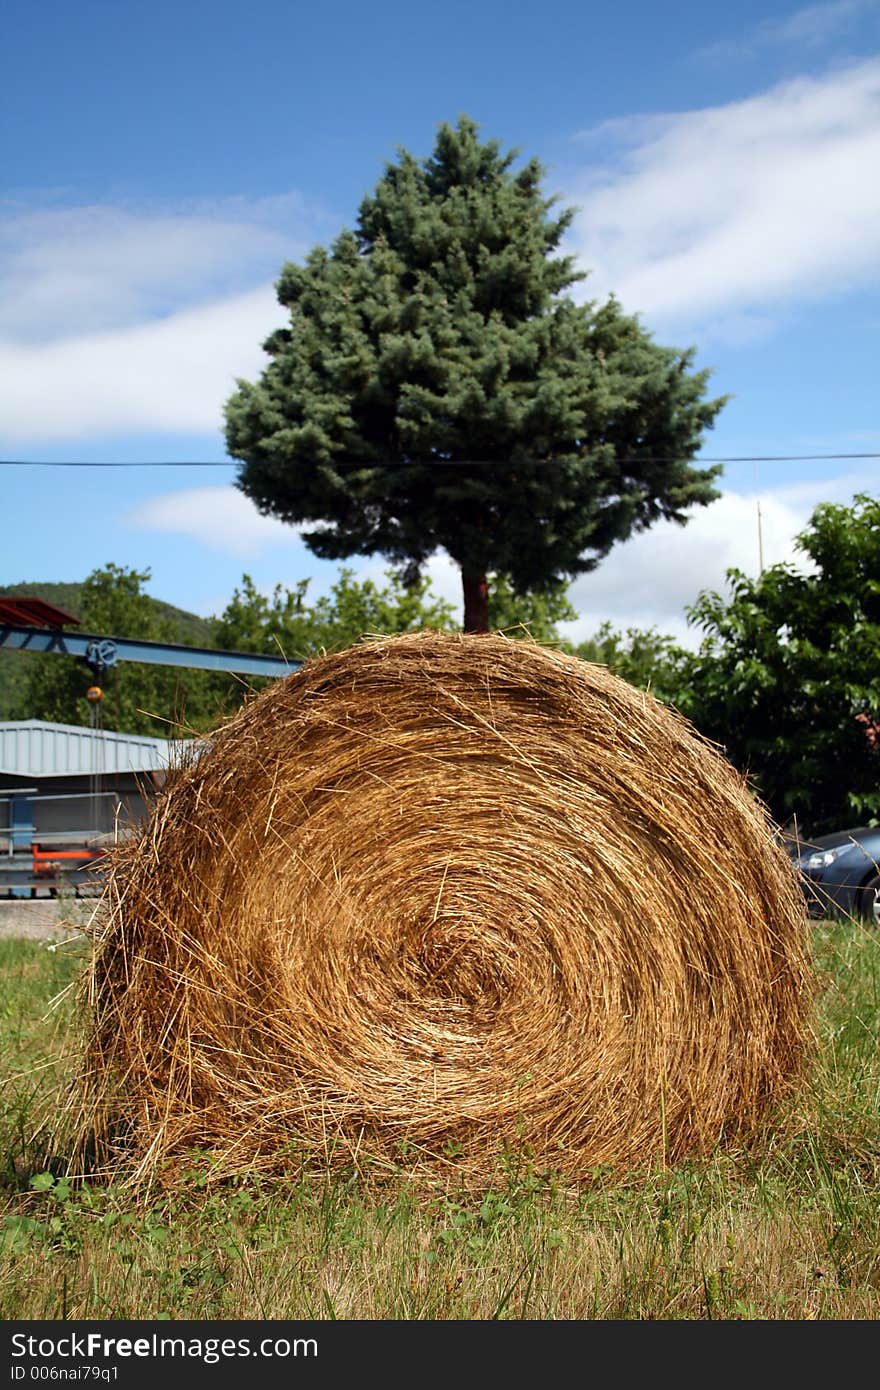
787	1230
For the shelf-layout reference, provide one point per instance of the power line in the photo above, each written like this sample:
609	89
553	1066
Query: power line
460	463
117	463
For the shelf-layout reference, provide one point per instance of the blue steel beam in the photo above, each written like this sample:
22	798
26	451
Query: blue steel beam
104	652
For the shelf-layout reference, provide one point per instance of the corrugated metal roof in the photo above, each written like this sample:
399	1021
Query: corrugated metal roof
32	748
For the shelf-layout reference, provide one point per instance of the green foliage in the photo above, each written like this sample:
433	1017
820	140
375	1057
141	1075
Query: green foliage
437	388
532	615
286	624
163	701
15	665
157	700
788	674
645	657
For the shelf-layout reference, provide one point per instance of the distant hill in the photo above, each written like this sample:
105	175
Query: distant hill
188	628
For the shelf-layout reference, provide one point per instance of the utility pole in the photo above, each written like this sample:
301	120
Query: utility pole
760	532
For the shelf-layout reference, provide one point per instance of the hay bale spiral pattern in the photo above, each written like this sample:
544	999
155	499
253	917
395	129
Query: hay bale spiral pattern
439	897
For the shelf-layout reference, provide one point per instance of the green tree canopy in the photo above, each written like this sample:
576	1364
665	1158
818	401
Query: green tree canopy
166	701
788	675
645	657
530	614
437	387
161	701
286	624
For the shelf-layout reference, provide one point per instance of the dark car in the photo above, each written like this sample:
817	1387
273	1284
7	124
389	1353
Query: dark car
840	873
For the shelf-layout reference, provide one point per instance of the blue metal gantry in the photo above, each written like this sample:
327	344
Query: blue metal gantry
101	652
29	623
45	629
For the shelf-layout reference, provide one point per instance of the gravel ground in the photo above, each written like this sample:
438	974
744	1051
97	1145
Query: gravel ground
44	919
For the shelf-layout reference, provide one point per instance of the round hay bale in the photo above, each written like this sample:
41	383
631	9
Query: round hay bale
437	898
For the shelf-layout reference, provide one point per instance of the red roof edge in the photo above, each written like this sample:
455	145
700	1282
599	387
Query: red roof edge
34	612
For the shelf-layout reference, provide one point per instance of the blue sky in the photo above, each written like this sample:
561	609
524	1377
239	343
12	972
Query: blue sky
161	162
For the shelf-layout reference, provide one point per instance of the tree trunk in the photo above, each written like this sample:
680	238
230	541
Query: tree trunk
476	602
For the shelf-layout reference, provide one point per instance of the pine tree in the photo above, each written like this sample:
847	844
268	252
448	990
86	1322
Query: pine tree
437	387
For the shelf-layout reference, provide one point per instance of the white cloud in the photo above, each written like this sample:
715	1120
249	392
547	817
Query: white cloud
115	319
737	209
813	27
219	517
225	520
168	376
68	271
815	24
649	580
722	220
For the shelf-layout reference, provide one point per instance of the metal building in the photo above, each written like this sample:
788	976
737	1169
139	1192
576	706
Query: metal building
66	792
